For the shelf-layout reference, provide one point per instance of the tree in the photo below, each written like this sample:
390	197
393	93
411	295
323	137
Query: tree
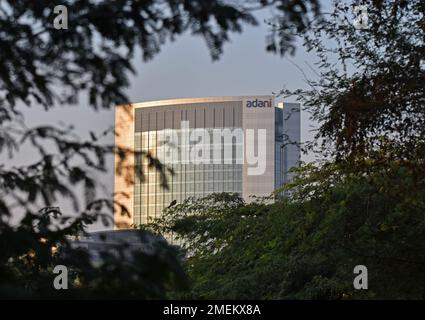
42	66
368	95
363	205
31	251
307	246
94	55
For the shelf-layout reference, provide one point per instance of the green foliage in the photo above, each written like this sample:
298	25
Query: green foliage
30	251
363	206
367	91
306	247
42	66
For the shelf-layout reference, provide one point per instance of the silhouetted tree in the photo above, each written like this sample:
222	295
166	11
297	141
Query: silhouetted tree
368	93
42	66
364	205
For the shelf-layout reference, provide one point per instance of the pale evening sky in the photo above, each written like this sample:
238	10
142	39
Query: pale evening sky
184	69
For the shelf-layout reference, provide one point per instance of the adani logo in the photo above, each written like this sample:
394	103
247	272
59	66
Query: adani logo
259	103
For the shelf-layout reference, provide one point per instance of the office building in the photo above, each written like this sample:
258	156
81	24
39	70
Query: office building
242	144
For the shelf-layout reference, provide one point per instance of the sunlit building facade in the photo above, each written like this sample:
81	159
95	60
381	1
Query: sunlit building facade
218	144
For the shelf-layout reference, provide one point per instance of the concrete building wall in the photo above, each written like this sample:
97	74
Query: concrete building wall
124	168
259	118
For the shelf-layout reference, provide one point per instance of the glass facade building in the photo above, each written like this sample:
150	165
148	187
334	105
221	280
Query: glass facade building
187	179
204	142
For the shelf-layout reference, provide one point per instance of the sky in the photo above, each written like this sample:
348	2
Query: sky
184	68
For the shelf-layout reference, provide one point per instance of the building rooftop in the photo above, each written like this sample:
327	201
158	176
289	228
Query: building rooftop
168	102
